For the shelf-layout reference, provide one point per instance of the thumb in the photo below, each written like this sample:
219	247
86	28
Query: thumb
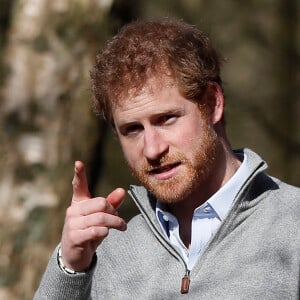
80	185
116	197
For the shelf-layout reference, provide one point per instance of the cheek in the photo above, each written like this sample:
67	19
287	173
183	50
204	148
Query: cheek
188	139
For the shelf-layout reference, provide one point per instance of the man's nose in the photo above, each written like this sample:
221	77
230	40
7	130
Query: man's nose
155	145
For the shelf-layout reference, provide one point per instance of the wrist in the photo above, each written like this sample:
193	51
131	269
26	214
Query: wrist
70	271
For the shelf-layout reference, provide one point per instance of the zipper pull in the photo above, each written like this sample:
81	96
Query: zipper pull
185	282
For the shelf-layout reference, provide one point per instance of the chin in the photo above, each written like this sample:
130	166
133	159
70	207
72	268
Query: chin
171	192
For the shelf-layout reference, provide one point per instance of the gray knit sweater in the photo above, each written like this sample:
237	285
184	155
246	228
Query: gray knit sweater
255	254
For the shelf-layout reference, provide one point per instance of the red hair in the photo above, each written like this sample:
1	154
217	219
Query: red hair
148	48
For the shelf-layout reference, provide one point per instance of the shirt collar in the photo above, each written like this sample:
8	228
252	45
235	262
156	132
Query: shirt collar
222	200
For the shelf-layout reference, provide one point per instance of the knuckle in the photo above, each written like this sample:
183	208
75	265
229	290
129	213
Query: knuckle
104	231
102	204
100	219
75	184
98	232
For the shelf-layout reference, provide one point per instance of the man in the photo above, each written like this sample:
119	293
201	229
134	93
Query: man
213	224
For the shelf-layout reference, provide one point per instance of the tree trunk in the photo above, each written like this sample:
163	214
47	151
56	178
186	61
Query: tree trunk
46	124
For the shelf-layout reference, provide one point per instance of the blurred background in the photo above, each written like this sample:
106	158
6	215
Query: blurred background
46	122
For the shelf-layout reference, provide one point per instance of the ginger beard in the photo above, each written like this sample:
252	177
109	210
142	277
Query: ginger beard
194	171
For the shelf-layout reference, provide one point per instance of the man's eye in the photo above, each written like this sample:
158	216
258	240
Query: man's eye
167	119
131	130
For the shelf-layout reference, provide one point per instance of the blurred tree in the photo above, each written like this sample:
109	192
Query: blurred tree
46	123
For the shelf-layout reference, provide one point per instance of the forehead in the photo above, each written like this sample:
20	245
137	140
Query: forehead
155	81
156	96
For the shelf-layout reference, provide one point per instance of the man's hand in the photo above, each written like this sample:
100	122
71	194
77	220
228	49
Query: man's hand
88	221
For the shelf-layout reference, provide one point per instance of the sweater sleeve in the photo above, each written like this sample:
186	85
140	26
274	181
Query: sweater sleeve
57	285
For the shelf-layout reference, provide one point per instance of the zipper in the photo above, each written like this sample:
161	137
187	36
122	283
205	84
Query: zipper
185	282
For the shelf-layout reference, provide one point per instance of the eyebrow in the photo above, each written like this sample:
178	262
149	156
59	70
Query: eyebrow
172	111
157	114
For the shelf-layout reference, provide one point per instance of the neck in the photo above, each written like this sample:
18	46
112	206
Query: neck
225	167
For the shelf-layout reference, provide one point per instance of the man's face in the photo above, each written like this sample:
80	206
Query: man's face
169	144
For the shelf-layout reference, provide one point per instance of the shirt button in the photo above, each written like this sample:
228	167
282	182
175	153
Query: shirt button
166	218
206	209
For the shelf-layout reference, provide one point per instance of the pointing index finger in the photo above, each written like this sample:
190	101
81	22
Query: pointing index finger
80	184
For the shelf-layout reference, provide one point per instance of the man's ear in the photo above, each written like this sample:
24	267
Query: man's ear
215	101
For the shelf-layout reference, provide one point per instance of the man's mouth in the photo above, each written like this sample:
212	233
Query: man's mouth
163	169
